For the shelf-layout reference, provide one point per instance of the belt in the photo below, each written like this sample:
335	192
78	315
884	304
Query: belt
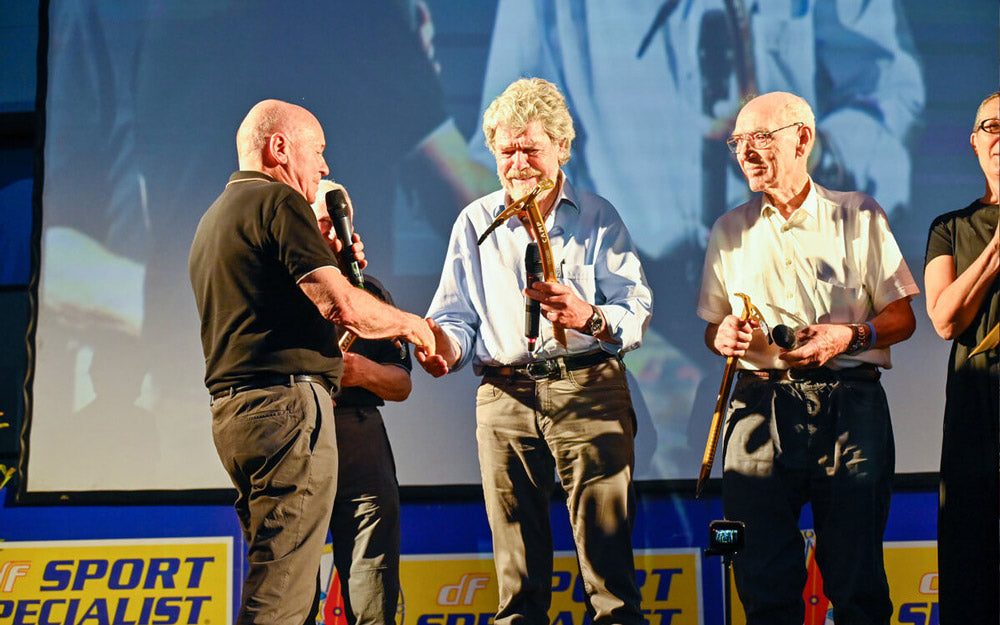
273	380
862	373
550	368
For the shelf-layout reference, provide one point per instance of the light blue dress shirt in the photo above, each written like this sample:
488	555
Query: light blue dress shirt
480	301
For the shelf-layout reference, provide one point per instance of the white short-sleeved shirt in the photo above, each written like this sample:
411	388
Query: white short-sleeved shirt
834	260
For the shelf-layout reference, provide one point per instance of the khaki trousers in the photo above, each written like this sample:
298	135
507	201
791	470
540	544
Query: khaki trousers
582	427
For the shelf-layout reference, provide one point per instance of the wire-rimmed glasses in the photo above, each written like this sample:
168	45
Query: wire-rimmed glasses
758	140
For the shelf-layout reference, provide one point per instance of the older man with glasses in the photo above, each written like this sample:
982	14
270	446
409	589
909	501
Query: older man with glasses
960	275
808	422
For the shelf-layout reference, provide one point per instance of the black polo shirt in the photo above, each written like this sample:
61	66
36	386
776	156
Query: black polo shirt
252	246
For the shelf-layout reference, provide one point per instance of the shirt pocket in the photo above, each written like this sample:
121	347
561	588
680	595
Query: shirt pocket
846	303
581	278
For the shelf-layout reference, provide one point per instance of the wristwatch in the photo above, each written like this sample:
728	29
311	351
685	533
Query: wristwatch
861	338
595	323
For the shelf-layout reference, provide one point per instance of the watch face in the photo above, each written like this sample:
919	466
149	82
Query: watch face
594	323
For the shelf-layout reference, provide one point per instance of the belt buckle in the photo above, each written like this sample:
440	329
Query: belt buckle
541	369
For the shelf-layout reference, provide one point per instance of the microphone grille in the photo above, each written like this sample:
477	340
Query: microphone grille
533	258
336	204
783	336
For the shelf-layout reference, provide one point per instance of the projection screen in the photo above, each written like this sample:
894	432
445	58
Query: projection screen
142	101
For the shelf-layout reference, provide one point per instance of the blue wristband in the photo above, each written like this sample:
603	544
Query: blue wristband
871	335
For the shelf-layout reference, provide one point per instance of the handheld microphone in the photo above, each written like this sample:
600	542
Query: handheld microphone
784	337
532	307
336	205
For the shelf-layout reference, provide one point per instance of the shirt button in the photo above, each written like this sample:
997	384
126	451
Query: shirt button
789	295
788	262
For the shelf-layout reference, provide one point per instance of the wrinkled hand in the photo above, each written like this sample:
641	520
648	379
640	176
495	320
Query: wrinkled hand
437	364
354	367
817	344
358	248
423	339
733	336
560	305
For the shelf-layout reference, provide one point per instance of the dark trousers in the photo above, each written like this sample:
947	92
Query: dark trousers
365	522
968	562
582	427
279	447
969	513
828	444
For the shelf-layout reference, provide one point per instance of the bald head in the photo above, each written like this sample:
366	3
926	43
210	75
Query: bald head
265	119
781	108
284	141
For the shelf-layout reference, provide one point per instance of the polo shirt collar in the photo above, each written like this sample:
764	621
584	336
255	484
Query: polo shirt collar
246	174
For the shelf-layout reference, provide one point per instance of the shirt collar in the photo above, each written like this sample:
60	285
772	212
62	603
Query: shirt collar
808	208
246	174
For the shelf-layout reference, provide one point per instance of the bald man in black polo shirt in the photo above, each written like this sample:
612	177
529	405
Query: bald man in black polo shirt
269	293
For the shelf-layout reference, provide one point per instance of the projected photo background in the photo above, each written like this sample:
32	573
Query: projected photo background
143	100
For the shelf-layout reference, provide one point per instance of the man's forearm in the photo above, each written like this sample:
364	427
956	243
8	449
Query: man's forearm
894	323
390	382
355	309
370	318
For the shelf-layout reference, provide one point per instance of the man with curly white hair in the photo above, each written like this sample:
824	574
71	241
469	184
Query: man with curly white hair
558	408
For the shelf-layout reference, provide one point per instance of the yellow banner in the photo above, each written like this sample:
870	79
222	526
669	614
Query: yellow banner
117	582
461	589
913	582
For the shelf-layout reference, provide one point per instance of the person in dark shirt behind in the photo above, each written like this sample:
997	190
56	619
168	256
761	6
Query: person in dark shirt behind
365	520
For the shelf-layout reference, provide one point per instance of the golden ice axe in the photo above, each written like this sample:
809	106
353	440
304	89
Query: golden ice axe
749	312
529	205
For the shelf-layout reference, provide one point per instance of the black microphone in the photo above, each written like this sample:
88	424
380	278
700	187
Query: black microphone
336	205
532	307
784	336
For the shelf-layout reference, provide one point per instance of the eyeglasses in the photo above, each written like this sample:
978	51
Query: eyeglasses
757	140
991	126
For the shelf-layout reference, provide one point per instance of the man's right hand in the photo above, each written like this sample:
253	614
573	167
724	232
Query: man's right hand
440	363
733	336
423	338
